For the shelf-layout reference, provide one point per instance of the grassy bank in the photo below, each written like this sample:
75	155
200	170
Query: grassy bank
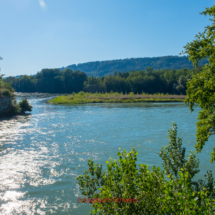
82	98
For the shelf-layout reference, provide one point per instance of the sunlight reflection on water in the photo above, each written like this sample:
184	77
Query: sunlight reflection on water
41	154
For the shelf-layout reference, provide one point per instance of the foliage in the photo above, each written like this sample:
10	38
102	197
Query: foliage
105	68
82	98
67	81
149	81
25	106
5	88
15	110
20	108
180	86
174	161
173	156
200	89
50	81
8	87
5	92
155	193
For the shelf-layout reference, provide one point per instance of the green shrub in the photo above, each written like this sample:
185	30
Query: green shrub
81	93
15	110
173	156
6	92
154	192
25	106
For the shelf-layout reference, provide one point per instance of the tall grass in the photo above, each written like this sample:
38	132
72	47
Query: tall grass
82	97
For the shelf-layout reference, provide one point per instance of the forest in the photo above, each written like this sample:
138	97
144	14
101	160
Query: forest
104	68
68	81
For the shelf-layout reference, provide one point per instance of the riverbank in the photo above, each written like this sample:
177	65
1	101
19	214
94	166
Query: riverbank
9	106
82	98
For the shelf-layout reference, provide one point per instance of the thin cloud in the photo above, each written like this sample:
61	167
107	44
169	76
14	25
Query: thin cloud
42	4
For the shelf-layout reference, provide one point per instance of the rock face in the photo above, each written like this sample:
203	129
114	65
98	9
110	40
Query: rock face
5	104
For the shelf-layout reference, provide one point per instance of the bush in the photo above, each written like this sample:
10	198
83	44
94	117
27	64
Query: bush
20	108
15	110
81	93
6	92
25	106
126	189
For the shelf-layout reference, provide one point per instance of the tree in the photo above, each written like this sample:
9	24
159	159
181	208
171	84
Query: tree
173	156
201	88
180	87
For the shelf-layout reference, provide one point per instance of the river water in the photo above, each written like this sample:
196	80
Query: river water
41	154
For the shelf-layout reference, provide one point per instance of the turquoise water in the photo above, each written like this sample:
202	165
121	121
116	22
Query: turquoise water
41	154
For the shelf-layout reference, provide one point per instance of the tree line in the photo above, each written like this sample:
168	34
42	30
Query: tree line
68	81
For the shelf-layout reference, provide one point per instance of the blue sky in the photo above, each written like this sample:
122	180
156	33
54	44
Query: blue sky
37	34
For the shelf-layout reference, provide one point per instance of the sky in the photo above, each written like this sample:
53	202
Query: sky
37	34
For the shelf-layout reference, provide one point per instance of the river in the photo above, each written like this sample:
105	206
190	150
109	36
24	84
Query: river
42	153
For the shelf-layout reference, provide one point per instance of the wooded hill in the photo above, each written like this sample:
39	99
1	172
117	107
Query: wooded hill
103	68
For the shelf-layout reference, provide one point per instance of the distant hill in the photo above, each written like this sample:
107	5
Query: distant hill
103	68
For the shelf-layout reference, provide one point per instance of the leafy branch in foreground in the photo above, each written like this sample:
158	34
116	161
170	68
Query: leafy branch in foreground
201	88
155	193
174	161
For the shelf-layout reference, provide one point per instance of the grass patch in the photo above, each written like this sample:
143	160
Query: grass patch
83	98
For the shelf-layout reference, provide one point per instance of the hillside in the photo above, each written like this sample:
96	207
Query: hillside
102	68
